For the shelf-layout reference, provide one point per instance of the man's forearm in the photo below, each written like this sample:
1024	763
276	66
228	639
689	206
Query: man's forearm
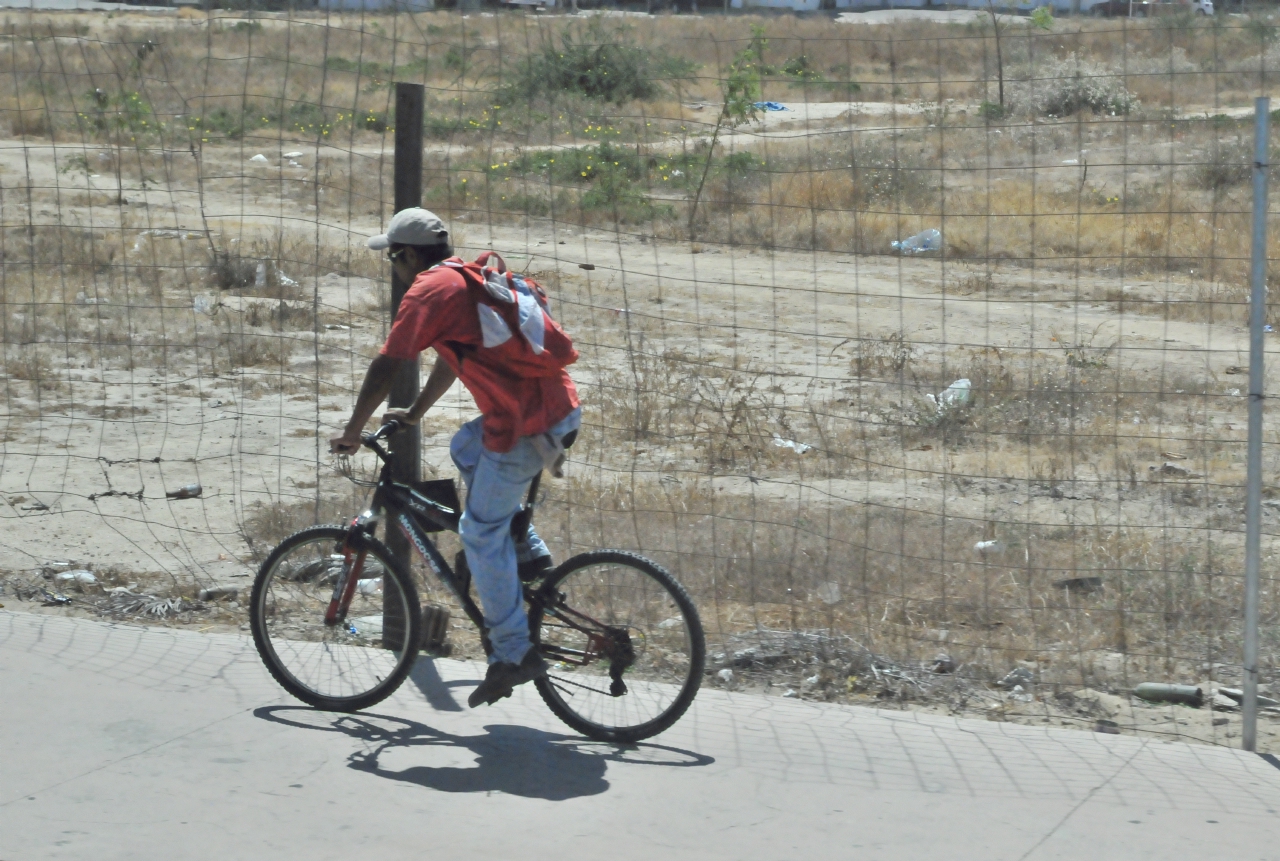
377	385
438	383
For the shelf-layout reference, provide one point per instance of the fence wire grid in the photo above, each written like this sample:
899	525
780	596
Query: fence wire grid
996	470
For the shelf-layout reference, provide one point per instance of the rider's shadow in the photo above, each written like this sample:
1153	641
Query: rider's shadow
516	760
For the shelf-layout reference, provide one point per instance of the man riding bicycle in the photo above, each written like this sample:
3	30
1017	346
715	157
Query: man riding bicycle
525	423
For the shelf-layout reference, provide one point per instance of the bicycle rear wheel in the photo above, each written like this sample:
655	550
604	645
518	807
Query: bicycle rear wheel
360	660
624	645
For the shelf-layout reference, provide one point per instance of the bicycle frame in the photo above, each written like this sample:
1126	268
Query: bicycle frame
416	515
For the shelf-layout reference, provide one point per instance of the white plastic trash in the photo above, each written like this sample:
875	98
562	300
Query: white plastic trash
370	586
983	546
259	159
955	395
725	675
79	578
295	154
925	240
828	592
797	447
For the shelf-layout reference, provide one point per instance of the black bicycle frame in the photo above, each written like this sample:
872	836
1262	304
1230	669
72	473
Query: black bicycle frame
417	515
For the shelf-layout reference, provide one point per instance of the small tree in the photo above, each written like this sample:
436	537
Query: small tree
743	86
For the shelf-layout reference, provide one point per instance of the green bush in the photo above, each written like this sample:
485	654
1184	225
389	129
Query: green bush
124	111
597	63
992	111
740	164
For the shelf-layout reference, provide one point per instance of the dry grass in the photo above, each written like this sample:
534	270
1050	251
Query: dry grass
945	166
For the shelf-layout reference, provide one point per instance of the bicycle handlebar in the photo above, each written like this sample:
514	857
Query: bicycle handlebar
370	440
391	427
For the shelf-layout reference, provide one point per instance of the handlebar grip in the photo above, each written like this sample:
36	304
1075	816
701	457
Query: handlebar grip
391	427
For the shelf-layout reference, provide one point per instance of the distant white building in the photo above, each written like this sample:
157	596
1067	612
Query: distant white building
377	5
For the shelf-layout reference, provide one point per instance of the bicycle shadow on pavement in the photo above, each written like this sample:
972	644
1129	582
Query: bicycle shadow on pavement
517	760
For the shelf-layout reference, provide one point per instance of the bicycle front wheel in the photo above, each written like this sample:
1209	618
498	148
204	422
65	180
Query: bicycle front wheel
346	664
624	645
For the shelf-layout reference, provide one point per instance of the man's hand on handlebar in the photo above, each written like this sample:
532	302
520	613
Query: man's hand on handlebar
405	417
344	443
349	443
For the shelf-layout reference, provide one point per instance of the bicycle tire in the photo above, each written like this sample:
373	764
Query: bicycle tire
286	613
661	676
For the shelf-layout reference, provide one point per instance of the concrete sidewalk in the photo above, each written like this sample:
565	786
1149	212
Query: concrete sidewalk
120	742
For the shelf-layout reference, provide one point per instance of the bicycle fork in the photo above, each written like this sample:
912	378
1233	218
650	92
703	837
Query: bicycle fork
345	588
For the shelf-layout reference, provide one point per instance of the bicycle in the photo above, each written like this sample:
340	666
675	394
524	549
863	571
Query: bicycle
621	636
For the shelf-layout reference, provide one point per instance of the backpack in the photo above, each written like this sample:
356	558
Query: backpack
516	326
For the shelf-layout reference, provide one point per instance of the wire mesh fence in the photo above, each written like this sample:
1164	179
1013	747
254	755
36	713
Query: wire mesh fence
917	350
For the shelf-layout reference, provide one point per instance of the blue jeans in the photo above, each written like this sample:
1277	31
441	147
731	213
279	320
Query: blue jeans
496	485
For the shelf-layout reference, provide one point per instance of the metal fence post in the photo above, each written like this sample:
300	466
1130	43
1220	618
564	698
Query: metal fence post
406	446
1253	494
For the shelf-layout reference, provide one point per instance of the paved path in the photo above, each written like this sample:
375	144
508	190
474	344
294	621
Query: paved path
119	742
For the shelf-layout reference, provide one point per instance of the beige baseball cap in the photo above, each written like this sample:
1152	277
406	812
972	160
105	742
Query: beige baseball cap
413	226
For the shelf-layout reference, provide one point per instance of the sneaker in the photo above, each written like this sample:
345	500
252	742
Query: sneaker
533	568
503	677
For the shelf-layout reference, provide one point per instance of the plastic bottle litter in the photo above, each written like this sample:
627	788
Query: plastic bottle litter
983	546
925	240
955	395
1155	692
370	586
218	593
188	491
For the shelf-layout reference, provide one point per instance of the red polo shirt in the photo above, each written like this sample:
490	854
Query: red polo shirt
437	312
